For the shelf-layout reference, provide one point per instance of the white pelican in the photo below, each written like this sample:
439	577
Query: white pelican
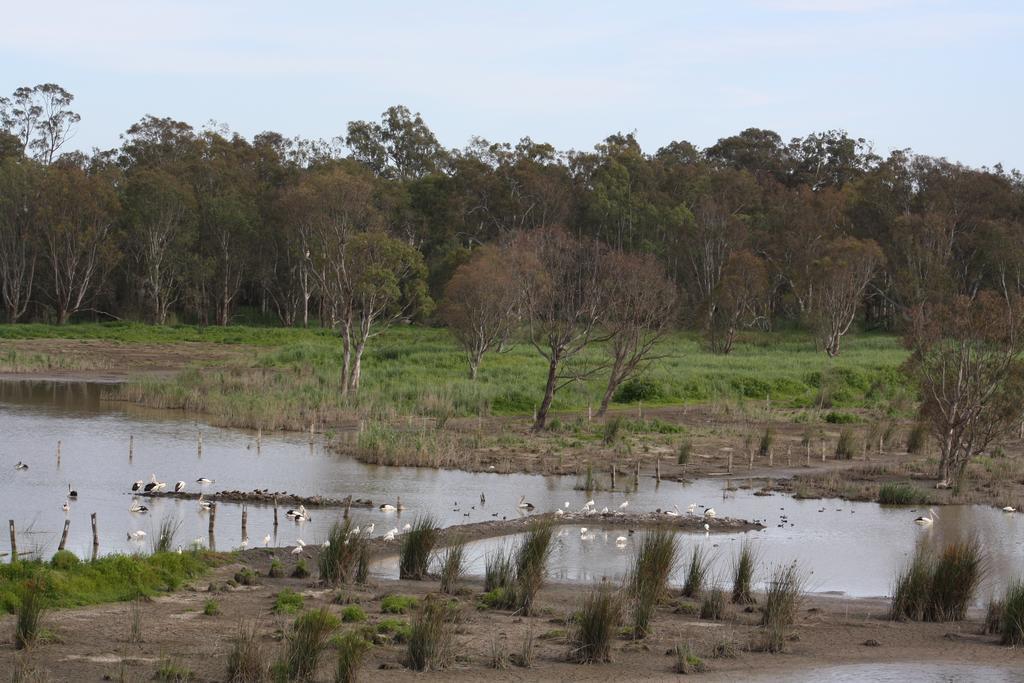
136	535
179	487
1009	509
604	510
353	531
624	505
710	512
566	505
407	527
296	550
589	503
266	540
135	507
620	541
524	504
690	508
72	493
202	481
707	529
583	530
137	485
300	512
927	521
299	542
244	544
387	507
204	504
674	512
558	512
390	536
368	530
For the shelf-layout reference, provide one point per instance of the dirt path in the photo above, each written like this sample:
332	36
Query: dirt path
93	643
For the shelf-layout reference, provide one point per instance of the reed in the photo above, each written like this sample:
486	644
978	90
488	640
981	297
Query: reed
430	644
417	546
900	493
712	606
531	564
306	642
686	662
338	562
846	445
785	592
499	570
595	625
163	540
767	439
910	594
697	571
352	649
743	568
247	661
917	439
647	581
1011	626
453	566
938	587
30	611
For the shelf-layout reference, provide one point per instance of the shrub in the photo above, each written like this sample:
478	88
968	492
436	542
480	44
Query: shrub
64	560
938	588
431	637
288	602
352	647
684	452
713	605
338	561
917	439
30	611
767	439
396	628
913	583
211	608
900	493
246	577
301	571
499	598
783	596
846	445
417	546
353	613
647	581
163	542
686	661
993	616
610	431
840	418
246	661
697	572
398	604
1011	626
276	570
637	389
453	566
595	625
499	571
743	569
531	562
306	641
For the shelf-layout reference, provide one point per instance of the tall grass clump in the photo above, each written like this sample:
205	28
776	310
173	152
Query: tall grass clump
453	566
430	642
246	661
531	564
743	568
30	611
782	600
647	581
163	541
352	648
712	606
767	439
917	439
1011	623
900	493
846	446
417	546
684	452
938	587
595	625
338	562
499	570
610	431
697	572
686	661
307	641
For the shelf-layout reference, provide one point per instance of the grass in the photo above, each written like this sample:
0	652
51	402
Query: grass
276	570
1011	625
352	613
300	571
352	648
288	602
712	605
163	540
595	625
31	608
398	604
785	592
686	661
846	445
306	642
684	452
417	546
339	561
173	671
453	566
531	564
697	572
431	638
211	608
397	629
917	439
246	661
938	586
112	578
743	568
135	622
499	571
647	581
290	373
901	493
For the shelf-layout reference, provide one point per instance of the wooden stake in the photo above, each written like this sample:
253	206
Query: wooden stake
590	413
245	518
64	535
275	514
14	542
613	476
58	453
312	426
657	469
639	410
95	534
199	443
259	439
750	464
131	445
730	462
213	517
771	457
789	456
823	450
638	473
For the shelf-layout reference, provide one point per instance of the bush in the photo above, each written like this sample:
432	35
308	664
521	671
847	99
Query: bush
211	608
276	570
917	439
170	670
647	581
697	572
353	613
301	571
396	628
246	577
288	602
638	389
246	661
431	637
846	446
900	493
767	439
398	604
910	593
64	560
306	641
1011	625
163	542
684	452
938	588
351	650
595	625
610	431
782	601
743	569
338	562
417	546
713	605
30	611
453	566
841	418
499	598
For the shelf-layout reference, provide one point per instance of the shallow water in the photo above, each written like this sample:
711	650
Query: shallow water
909	672
853	548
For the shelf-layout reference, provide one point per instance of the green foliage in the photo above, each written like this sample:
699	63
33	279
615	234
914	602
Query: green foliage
396	628
163	541
712	606
638	389
246	576
531	563
112	578
417	546
901	493
841	418
288	602
352	648
453	566
647	581
846	446
1011	624
172	671
276	570
499	570
917	439
595	625
686	661
610	430
211	608
743	569
684	452
697	571
938	586
498	598
339	561
431	637
31	607
64	560
301	571
398	604
785	592
767	439
306	641
351	613
247	661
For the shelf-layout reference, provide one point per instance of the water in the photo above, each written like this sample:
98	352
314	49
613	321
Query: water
851	548
906	672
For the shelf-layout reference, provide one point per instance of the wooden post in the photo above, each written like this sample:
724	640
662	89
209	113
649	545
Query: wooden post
14	542
808	453
312	425
771	457
245	518
750	464
657	469
590	412
64	535
639	410
613	476
259	439
95	534
213	516
275	514
823	450
881	445
730	462
58	453
199	443
131	445
638	473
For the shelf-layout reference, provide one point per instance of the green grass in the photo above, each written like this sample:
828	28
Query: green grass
398	629
113	578
211	608
647	581
306	642
352	613
595	625
453	565
743	569
247	660
1011	623
938	585
288	602
783	597
171	670
901	493
697	571
398	604
417	547
420	370
352	647
431	637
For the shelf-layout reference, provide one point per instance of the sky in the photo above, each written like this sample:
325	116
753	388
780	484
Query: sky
941	77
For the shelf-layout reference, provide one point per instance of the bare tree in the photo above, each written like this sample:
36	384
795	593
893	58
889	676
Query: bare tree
562	279
966	358
481	304
639	311
741	300
842	275
19	223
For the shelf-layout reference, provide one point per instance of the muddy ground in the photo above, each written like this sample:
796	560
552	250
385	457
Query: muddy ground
93	643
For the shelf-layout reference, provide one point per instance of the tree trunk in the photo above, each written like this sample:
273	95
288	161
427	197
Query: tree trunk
549	394
346	359
474	365
357	364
